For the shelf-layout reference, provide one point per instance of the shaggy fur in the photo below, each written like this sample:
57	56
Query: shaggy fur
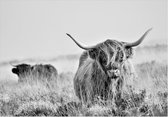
102	70
40	72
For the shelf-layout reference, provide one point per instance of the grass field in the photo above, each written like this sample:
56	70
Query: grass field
148	97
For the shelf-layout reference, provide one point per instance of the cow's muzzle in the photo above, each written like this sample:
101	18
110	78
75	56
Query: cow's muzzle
114	70
113	73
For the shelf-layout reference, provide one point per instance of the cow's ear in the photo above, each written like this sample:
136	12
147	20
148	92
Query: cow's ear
129	52
93	53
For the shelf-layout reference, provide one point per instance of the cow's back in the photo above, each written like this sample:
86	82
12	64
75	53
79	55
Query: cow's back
44	71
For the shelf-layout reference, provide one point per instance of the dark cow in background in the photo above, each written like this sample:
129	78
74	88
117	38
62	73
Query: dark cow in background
103	69
27	72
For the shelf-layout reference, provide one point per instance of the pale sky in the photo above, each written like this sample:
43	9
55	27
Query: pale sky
37	28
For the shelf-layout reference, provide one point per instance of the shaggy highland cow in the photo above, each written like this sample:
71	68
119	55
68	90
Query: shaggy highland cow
36	72
104	69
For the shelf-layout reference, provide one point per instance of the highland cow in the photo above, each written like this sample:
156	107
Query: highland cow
104	69
27	72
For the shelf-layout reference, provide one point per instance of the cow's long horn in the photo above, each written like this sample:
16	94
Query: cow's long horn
85	48
136	43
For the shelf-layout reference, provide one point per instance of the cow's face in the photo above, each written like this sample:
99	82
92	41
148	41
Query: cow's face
21	69
111	55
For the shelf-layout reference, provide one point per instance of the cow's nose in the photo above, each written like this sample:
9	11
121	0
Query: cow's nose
113	73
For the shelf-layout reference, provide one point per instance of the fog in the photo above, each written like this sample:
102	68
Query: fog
37	28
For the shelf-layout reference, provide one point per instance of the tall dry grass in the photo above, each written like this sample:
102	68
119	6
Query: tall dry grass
147	97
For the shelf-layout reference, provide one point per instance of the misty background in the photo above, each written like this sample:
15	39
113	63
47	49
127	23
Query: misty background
37	28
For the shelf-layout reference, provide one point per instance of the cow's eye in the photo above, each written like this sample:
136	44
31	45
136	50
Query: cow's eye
103	58
119	56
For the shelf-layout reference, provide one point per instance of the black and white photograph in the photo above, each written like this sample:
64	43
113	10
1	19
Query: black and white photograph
83	58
